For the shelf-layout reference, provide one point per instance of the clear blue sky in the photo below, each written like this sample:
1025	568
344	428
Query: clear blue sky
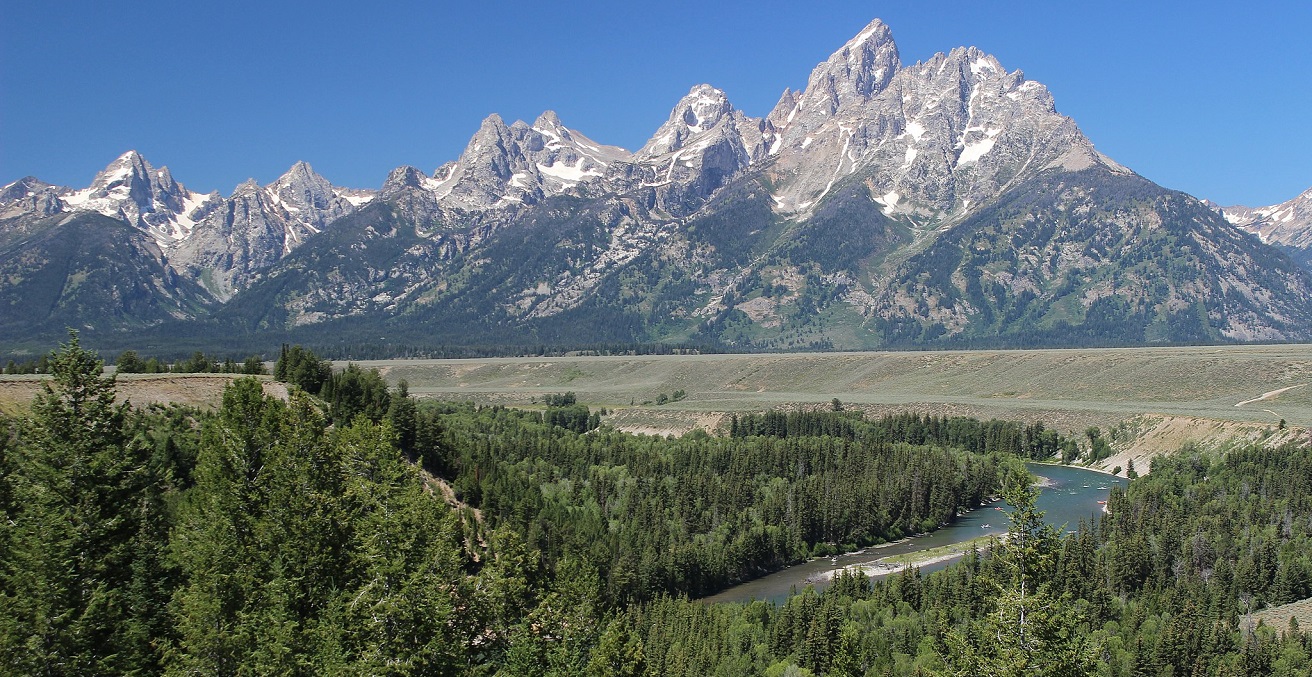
1213	98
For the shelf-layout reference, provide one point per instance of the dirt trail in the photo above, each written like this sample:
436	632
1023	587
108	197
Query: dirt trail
1270	395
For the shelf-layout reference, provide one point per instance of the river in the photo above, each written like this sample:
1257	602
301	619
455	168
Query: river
1067	496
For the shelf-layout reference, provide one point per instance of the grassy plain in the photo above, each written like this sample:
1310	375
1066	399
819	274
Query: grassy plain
197	390
1078	385
1159	398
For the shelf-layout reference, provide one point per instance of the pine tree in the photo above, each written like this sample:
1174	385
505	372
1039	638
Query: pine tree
217	543
83	569
402	414
129	363
1030	631
619	652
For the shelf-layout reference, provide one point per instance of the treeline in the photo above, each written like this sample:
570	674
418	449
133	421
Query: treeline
1035	441
375	350
201	361
129	362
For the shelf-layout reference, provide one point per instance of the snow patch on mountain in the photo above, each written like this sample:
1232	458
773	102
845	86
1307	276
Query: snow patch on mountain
1288	223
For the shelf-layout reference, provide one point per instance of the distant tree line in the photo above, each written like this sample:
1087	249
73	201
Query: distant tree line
1034	441
374	350
40	365
129	362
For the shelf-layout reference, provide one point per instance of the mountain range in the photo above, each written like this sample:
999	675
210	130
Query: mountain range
940	203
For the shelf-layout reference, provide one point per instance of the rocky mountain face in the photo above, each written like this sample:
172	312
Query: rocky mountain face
30	196
1096	257
945	202
242	236
90	272
221	243
1287	225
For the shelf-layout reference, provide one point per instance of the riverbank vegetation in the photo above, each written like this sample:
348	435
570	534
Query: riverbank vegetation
363	532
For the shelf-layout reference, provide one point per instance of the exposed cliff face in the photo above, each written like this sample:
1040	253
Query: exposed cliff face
236	239
1097	257
222	243
132	190
935	140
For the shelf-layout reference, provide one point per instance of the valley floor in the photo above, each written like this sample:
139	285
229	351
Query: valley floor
1149	399
1145	400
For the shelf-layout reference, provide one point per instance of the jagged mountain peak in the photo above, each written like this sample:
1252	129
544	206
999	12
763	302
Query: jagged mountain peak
130	157
703	109
300	170
936	139
860	69
130	189
548	120
509	165
30	195
557	135
247	187
402	178
311	200
970	68
493	123
234	240
124	170
703	145
876	31
23	188
301	184
980	64
787	103
548	124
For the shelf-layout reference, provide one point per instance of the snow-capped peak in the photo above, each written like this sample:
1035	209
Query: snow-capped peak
311	200
876	30
129	188
703	108
505	166
557	136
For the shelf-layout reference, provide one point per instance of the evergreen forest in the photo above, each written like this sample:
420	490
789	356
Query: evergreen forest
351	529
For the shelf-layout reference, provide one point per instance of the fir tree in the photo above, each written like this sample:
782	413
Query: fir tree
83	566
